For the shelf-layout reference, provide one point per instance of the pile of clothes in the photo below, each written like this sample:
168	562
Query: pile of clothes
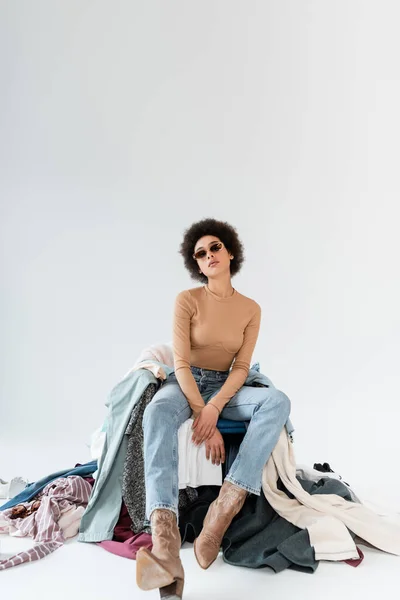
303	515
49	511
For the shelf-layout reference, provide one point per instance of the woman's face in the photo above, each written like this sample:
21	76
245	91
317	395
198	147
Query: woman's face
213	261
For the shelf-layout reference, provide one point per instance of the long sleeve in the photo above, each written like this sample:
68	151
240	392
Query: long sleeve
181	344
241	365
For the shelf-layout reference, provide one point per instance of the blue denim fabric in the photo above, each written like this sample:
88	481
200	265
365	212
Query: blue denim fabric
32	489
104	505
102	512
226	426
266	408
255	377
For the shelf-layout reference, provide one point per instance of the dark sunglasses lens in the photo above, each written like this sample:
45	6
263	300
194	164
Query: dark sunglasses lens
202	253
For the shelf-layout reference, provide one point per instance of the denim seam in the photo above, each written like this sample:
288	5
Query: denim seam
235	406
232	471
175	459
161	505
176	415
174	476
248	488
242	448
235	463
175	469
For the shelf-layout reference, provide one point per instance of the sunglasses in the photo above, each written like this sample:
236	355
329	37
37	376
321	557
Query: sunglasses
216	247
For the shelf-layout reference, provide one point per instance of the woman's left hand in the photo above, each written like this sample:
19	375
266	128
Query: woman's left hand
205	424
215	448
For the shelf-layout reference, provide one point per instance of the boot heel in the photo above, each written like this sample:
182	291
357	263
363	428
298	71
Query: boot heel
162	567
150	573
173	591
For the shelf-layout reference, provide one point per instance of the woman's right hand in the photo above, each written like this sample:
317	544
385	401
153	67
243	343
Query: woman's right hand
215	448
205	424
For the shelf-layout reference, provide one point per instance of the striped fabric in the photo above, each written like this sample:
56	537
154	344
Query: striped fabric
58	498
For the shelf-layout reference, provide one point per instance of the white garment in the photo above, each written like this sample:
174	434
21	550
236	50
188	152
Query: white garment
162	353
194	468
157	370
9	489
69	521
310	474
305	472
327	517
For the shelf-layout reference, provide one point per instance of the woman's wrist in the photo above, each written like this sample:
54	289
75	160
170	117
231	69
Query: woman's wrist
216	407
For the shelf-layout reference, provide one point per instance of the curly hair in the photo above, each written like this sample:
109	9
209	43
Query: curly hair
225	232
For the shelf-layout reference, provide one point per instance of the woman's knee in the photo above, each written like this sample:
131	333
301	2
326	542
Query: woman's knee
283	402
163	410
158	407
279	399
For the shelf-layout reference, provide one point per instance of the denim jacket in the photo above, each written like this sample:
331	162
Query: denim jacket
102	512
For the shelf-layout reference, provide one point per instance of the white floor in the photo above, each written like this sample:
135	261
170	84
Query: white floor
87	571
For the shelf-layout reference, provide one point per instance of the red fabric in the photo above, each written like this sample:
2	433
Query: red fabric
126	543
354	562
89	480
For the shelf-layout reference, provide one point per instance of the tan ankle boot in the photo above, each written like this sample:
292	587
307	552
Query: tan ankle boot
218	518
162	567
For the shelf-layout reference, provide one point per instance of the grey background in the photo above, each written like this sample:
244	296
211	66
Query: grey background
122	123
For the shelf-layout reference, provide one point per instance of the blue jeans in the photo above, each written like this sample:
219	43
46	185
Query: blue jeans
266	408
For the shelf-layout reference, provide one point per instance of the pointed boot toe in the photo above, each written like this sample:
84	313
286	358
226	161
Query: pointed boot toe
218	518
162	567
150	573
206	549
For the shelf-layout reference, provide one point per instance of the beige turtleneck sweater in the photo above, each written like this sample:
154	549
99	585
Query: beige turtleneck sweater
211	332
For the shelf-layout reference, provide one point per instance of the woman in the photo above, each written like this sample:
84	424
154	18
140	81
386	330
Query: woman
214	326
